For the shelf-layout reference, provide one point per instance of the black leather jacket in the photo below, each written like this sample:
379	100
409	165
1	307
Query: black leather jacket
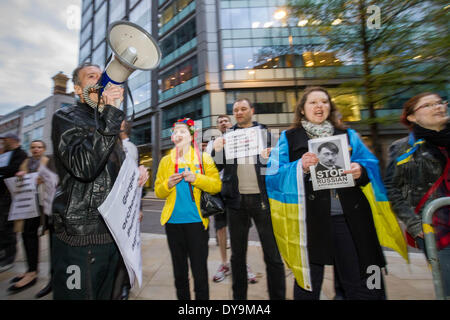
88	162
407	183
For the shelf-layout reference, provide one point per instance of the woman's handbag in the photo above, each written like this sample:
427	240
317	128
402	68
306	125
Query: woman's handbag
210	205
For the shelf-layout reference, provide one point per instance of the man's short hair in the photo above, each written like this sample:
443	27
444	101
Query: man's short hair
10	136
223	116
246	100
330	146
75	73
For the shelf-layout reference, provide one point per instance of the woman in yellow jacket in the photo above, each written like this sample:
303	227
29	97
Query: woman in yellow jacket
180	181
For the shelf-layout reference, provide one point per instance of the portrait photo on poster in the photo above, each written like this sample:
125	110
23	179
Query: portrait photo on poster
334	159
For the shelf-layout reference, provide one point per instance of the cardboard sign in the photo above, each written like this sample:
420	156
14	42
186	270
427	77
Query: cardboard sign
120	211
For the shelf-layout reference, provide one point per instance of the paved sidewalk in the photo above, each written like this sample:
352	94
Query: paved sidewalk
404	282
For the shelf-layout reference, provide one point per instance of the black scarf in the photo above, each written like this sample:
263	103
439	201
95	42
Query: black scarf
439	139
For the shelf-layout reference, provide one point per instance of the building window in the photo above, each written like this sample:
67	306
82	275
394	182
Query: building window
38	133
180	37
99	25
28	120
141	15
39	114
26	141
86	17
267	101
141	134
179	74
191	109
98	56
85	51
86	33
173	9
117	10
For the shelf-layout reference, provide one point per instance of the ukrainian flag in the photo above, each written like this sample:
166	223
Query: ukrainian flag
285	188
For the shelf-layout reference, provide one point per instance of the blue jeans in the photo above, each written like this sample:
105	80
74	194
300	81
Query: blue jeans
444	263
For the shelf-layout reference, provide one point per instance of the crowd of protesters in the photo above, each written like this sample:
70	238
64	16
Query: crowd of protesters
333	227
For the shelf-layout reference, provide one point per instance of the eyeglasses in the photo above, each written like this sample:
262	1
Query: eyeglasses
432	105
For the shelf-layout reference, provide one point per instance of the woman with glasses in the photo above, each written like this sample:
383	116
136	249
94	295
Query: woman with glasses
418	172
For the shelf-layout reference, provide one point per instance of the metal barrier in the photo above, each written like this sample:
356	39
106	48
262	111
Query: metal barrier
430	243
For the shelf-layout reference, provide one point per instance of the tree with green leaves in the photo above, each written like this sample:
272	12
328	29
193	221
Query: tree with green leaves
396	45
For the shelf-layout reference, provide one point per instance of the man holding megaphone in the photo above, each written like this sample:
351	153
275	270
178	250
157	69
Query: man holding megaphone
88	156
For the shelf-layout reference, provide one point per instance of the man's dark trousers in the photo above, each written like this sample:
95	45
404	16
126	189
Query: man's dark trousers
95	265
252	206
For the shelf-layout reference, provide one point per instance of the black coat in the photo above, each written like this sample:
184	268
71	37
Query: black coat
88	162
230	181
357	213
17	157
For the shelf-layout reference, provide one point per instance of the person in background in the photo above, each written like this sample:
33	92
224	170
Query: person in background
245	198
418	172
182	176
220	221
29	227
8	241
122	284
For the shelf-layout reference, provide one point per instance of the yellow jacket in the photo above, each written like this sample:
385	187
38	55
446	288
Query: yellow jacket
209	181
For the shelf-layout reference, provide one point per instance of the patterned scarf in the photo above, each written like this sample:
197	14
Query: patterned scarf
325	129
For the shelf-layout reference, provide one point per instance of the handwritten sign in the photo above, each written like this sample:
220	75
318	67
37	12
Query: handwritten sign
120	211
23	196
243	143
48	187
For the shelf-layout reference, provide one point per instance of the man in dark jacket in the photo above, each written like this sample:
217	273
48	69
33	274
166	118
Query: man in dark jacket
11	142
244	192
88	157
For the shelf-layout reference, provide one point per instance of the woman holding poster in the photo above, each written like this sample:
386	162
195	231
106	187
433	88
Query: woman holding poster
182	176
332	226
29	227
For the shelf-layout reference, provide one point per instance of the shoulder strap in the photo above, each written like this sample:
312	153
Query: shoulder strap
433	187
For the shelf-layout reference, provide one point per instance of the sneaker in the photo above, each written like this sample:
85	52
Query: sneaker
251	277
222	272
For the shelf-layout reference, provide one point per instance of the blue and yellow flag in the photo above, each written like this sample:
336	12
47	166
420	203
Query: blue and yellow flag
285	188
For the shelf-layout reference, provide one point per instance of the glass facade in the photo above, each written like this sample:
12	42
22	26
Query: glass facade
179	38
179	74
99	30
117	10
197	108
141	134
141	15
267	101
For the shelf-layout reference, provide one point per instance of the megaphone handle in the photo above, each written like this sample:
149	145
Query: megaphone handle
117	102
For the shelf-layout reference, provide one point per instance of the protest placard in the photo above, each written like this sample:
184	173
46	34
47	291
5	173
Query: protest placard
243	143
50	181
334	159
23	196
120	211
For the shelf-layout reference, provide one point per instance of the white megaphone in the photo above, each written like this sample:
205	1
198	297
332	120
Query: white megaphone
134	49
